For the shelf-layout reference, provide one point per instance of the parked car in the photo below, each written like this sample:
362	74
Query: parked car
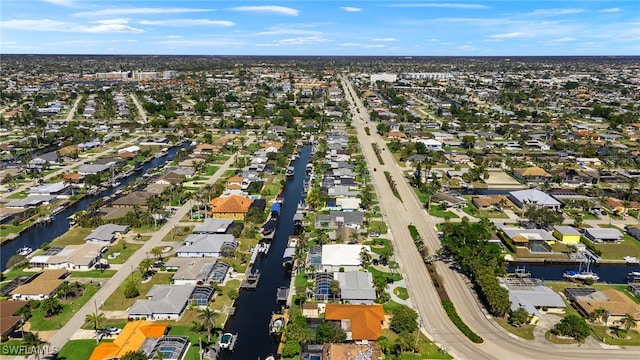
374	234
113	331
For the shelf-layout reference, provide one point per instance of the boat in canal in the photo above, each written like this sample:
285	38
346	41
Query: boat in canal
580	274
633	277
227	341
277	324
269	227
263	248
24	251
290	171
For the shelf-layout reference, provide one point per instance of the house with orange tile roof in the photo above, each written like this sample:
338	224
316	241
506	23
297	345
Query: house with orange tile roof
75	178
397	135
230	207
137	335
360	322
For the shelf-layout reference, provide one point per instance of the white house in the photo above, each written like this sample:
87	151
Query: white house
431	144
207	245
164	302
341	256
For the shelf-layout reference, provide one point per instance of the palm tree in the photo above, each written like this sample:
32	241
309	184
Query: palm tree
33	343
64	289
601	314
385	254
157	252
365	257
208	317
97	321
334	286
299	258
627	322
144	267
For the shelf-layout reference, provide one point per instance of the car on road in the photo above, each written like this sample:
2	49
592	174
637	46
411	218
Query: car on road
101	266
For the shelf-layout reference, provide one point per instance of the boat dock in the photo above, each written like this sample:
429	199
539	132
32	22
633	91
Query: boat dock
250	282
282	294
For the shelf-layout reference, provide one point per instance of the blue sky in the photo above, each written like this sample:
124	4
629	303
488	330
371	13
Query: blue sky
321	27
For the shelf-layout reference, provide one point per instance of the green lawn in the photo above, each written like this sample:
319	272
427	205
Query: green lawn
7	229
15	272
426	349
525	332
627	247
77	349
228	173
125	252
75	236
633	337
211	169
117	301
378	245
97	274
434	211
401	292
390	307
375	272
378	226
222	298
194	338
40	323
174	234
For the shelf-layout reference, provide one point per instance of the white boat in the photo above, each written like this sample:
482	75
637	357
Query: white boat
24	251
290	171
580	274
276	325
115	184
633	277
227	341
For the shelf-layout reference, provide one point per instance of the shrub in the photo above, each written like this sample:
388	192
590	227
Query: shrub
457	321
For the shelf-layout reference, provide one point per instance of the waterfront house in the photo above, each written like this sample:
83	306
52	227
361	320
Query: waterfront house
59	189
30	201
356	287
615	302
106	234
93	169
567	234
450	200
208	245
533	197
489	202
163	302
524	237
71	257
360	322
135	198
213	226
602	234
41	286
146	336
337	219
341	257
365	351
196	271
230	207
531	294
634	230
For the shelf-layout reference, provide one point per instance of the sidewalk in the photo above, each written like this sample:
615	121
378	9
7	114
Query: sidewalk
394	297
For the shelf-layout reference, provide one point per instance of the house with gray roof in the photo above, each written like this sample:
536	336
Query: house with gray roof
58	189
602	234
356	287
93	169
336	219
31	201
208	245
213	226
531	294
106	234
529	197
164	302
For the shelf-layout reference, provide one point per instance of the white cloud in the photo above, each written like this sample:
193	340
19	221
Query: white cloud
61	2
308	40
35	25
109	26
290	32
558	41
385	39
188	22
351	9
201	42
511	35
611	10
137	11
269	9
443	5
365	46
554	12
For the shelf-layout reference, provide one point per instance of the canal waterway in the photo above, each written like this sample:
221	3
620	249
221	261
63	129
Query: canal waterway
37	235
254	307
612	274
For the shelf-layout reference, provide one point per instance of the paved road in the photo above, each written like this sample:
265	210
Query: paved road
111	284
141	111
499	344
72	112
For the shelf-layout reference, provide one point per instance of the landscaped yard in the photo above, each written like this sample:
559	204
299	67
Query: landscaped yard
77	349
117	301
222	298
378	226
376	272
427	349
123	252
434	211
210	170
178	233
401	293
7	229
627	247
525	332
70	307
378	245
75	236
98	274
603	332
